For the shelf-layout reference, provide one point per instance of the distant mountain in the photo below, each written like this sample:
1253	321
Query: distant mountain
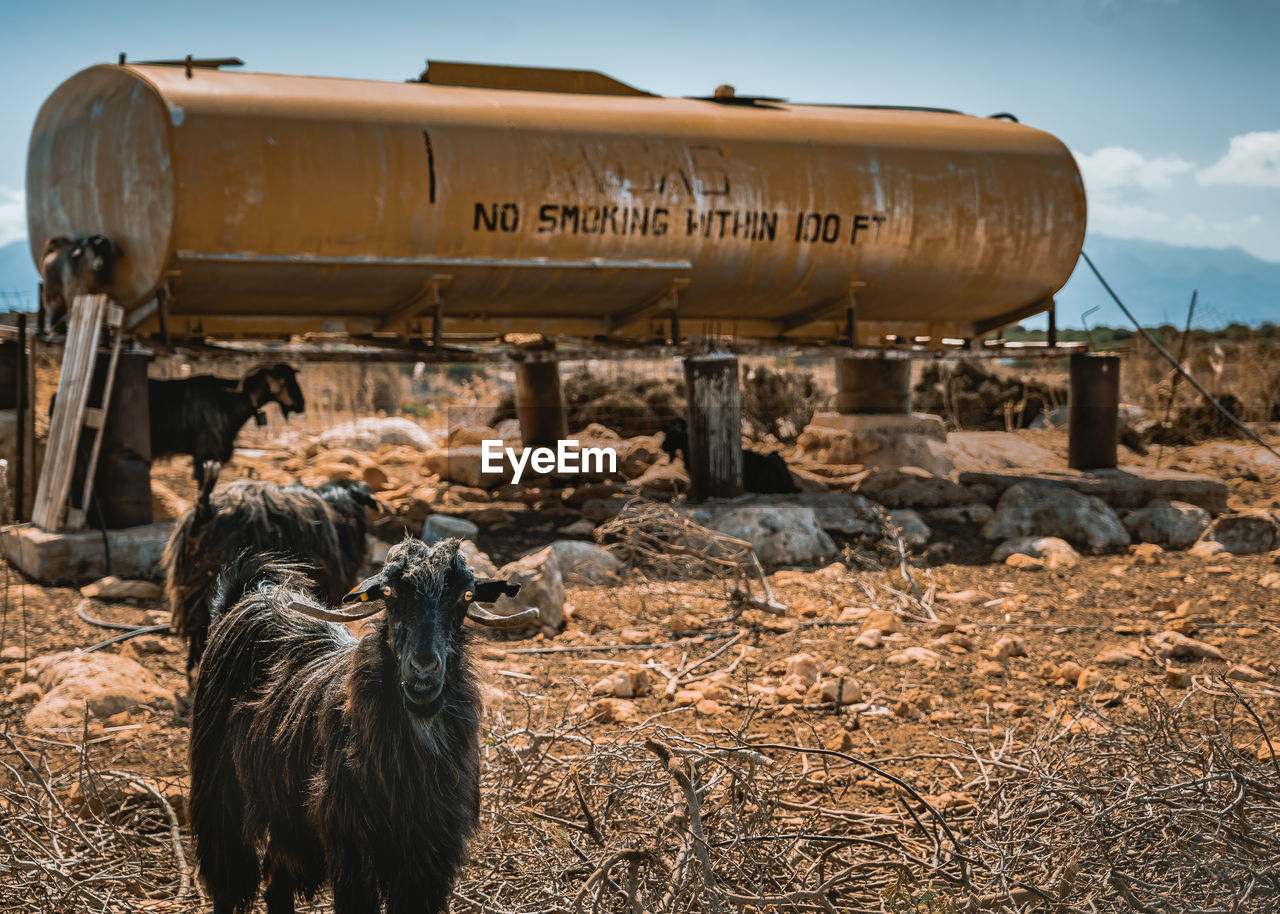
18	277
1155	280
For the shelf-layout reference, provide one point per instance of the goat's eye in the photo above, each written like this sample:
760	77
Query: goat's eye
469	595
386	590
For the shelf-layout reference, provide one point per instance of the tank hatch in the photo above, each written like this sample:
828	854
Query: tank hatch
526	79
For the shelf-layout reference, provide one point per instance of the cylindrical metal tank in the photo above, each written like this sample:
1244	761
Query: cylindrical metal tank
276	204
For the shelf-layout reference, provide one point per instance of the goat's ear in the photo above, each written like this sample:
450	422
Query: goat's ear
373	588
489	591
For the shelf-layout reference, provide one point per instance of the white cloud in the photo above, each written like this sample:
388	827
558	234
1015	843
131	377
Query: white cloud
1114	167
13	215
1252	159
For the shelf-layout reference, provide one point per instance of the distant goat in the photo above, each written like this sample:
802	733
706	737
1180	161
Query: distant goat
766	474
342	761
71	267
323	529
201	416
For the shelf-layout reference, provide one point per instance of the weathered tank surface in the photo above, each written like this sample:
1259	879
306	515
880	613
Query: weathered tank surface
268	204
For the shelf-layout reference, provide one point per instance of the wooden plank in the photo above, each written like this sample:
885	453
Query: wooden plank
74	378
108	385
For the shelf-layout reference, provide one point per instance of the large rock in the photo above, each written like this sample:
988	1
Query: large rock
914	531
479	562
541	587
465	466
585	563
105	684
371	433
912	487
1032	509
1172	524
780	534
1246	533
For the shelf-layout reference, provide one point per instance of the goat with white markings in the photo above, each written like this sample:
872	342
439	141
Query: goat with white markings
202	416
352	762
323	529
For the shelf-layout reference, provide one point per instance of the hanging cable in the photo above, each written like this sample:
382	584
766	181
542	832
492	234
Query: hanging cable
1248	432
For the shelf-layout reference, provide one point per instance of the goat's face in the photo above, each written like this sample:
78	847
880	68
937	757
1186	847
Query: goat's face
282	385
101	253
428	591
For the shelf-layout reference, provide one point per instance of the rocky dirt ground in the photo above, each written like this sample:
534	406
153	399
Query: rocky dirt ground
944	696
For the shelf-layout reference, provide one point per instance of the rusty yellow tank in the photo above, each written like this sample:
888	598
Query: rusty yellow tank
554	201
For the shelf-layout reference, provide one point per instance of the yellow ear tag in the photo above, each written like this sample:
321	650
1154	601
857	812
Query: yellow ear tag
363	597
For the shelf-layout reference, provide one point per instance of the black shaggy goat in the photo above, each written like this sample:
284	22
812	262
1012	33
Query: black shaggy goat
341	761
764	473
71	267
322	528
201	416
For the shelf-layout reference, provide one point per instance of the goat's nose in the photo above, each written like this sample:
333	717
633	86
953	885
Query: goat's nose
424	664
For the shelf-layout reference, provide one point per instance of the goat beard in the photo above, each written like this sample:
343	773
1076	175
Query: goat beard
418	709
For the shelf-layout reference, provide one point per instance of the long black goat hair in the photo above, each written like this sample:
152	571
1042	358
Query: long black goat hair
321	529
346	761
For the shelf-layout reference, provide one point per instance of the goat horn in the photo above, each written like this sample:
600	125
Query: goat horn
328	615
483	617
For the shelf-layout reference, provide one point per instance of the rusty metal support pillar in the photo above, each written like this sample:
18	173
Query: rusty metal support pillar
1093	416
715	426
540	404
122	482
876	385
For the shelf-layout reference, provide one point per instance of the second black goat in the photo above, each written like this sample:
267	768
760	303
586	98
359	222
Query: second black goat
323	529
201	416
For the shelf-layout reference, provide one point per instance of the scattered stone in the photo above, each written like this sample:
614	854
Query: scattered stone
1063	674
843	690
921	655
1176	677
1090	679
24	692
585	562
708	708
1024	562
975	513
1207	549
914	531
1244	673
804	667
1037	509
991	669
114	588
965	596
371	433
627	682
1246	533
581	527
104	684
663	479
613	710
444	526
1172	524
481	565
1006	647
911	487
887	622
780	534
1146	554
1171	645
1117	656
376	478
870	639
541	586
1270	580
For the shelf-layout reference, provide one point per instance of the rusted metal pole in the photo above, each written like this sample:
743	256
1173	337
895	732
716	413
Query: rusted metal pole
1093	416
874	385
20	483
1051	338
715	426
540	404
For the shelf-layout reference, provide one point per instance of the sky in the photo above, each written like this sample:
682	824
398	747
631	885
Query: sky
1172	107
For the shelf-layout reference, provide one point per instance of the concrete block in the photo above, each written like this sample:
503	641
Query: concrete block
74	557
